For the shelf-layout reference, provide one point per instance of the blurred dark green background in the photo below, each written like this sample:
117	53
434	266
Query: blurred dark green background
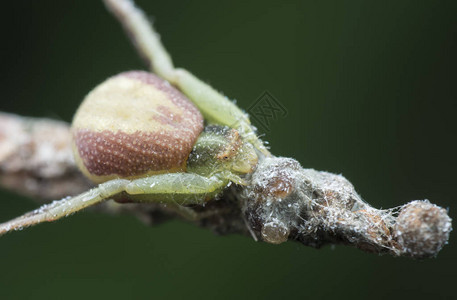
370	91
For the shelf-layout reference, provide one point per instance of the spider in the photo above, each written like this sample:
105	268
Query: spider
173	139
143	140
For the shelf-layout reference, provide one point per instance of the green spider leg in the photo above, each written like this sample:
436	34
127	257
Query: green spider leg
215	107
173	188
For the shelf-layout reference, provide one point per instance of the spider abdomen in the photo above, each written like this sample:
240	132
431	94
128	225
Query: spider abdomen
134	124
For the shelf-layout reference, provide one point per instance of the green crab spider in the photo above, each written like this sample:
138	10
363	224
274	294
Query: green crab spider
180	165
142	137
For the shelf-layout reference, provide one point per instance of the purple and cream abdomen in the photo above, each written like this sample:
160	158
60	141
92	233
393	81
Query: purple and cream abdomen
134	124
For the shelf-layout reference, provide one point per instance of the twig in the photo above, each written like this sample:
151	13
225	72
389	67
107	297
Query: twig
322	208
36	158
